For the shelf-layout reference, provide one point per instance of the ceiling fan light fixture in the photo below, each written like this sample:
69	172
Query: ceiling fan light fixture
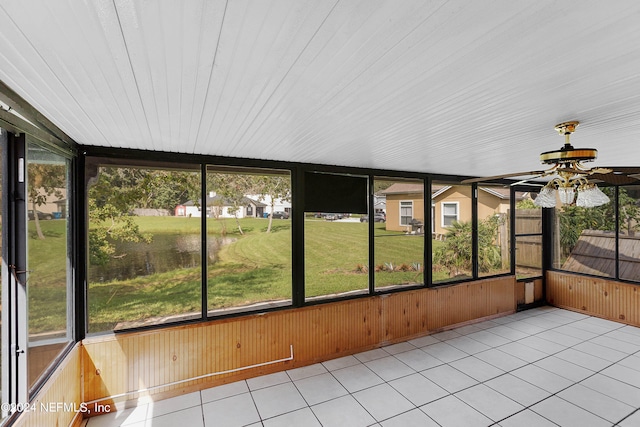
566	195
590	196
570	181
569	177
546	198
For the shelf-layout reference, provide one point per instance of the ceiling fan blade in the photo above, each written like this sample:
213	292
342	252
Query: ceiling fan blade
613	178
601	170
528	179
507	175
624	169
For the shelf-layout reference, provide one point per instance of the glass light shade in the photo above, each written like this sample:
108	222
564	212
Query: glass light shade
590	196
546	198
567	194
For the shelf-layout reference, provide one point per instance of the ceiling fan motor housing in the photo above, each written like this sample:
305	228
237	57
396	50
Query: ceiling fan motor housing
568	154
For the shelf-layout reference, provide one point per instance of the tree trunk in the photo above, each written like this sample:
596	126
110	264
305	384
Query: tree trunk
238	223
37	223
271	216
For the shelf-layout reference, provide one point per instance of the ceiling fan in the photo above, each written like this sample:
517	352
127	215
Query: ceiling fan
569	176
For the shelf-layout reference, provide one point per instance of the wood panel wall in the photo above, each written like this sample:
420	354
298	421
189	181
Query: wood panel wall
599	297
113	365
63	387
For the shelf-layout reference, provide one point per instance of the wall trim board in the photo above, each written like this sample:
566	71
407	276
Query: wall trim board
600	297
127	362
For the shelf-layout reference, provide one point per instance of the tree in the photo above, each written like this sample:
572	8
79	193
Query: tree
574	219
455	253
232	189
165	189
526	204
109	225
44	180
114	194
275	187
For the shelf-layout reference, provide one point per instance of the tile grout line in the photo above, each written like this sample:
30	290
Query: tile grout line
575	383
474	355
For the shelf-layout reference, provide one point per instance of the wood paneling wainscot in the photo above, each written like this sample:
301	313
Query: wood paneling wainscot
58	403
594	296
142	365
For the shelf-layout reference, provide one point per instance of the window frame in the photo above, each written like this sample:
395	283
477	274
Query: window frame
442	214
400	216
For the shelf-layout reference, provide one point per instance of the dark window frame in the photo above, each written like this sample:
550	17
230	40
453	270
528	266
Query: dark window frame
114	156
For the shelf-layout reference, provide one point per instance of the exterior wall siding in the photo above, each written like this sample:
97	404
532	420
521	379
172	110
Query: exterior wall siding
393	209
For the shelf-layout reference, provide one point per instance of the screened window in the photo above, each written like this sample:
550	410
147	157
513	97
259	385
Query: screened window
629	234
452	239
144	246
336	242
585	238
248	253
493	206
398	234
48	283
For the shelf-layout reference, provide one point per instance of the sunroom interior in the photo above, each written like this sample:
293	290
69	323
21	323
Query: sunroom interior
200	193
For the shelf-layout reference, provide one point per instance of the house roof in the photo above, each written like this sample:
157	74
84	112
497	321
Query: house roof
407	188
403	188
594	254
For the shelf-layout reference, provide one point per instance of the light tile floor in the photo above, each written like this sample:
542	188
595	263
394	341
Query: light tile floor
541	367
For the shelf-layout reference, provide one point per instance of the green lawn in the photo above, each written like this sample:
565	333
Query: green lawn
46	283
254	267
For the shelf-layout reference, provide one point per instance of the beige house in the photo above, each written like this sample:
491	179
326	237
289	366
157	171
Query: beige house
405	202
449	203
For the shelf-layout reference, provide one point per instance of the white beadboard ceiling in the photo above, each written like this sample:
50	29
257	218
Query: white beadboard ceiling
461	87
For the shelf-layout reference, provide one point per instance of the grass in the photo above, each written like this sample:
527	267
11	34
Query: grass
46	283
255	267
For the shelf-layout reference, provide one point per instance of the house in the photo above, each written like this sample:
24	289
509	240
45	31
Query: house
449	203
218	207
404	202
279	205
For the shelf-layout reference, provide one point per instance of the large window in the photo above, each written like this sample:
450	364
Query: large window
144	246
398	232
49	288
248	238
452	237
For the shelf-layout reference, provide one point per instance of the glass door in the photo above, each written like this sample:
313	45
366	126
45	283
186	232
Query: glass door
37	303
48	284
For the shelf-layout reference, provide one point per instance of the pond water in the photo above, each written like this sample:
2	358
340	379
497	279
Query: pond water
166	252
